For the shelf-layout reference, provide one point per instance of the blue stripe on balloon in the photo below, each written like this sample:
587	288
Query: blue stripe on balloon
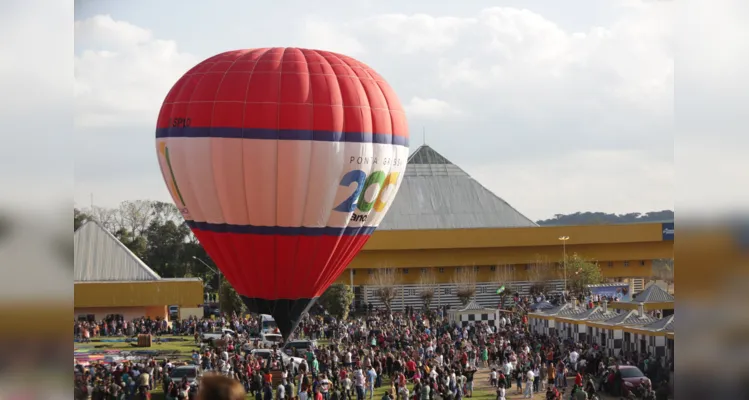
274	134
281	230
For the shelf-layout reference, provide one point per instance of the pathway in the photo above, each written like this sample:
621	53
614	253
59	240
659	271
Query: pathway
481	381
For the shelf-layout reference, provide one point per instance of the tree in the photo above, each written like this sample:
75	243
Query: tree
581	273
504	275
539	271
79	218
384	280
600	218
337	300
464	279
230	301
106	217
663	269
135	216
427	286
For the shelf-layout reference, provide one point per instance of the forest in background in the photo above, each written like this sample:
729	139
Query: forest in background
601	218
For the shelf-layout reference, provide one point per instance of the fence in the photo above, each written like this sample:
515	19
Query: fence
445	294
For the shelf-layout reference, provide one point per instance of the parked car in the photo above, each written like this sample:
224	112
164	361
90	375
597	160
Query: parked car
285	359
301	346
632	378
267	339
208	337
190	372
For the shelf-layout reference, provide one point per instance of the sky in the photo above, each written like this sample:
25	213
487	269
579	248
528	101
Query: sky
567	106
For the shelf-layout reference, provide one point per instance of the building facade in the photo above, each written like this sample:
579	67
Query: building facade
111	280
443	220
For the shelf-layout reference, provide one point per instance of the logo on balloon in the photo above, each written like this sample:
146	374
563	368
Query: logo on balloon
173	187
356	200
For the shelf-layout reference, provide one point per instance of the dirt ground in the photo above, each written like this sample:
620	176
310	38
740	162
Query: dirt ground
481	381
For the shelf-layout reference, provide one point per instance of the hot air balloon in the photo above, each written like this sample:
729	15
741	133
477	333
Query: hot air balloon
283	161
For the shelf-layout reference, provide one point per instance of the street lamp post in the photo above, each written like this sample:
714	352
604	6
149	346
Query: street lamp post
218	272
564	240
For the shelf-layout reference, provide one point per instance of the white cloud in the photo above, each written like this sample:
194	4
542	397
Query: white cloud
430	108
123	73
536	98
581	181
322	36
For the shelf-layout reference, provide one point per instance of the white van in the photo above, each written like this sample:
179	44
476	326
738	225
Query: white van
267	323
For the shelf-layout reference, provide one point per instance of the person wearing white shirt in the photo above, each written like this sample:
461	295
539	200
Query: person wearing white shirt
574	358
501	392
530	376
507	368
371	378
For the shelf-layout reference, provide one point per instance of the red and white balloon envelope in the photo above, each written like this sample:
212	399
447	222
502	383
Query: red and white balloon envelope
283	161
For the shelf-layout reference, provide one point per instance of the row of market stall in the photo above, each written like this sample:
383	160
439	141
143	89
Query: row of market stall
616	326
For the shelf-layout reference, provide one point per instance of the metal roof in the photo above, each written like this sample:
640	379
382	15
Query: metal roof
653	294
437	194
666	323
473	306
595	314
100	257
630	318
572	312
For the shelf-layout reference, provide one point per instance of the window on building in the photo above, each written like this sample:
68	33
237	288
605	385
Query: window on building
610	263
424	270
370	271
441	270
642	262
459	269
405	270
353	272
626	263
476	268
493	268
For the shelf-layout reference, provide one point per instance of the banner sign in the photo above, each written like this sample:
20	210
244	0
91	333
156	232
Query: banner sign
668	230
619	291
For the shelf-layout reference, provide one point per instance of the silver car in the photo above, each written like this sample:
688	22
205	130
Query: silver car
190	372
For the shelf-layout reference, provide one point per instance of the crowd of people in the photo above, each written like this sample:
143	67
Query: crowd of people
415	355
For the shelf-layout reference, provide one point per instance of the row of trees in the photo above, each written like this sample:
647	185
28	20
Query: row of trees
578	271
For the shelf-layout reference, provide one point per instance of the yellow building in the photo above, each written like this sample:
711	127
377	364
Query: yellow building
111	280
442	219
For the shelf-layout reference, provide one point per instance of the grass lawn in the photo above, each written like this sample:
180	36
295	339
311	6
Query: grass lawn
178	350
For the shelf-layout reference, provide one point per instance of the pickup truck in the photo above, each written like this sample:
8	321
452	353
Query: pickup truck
209	337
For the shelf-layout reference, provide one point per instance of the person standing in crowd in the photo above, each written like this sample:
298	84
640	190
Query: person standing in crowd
423	357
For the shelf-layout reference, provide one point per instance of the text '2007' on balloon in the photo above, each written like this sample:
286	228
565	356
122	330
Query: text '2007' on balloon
363	182
180	122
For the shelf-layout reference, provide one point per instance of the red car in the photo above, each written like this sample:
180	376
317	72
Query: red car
632	378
